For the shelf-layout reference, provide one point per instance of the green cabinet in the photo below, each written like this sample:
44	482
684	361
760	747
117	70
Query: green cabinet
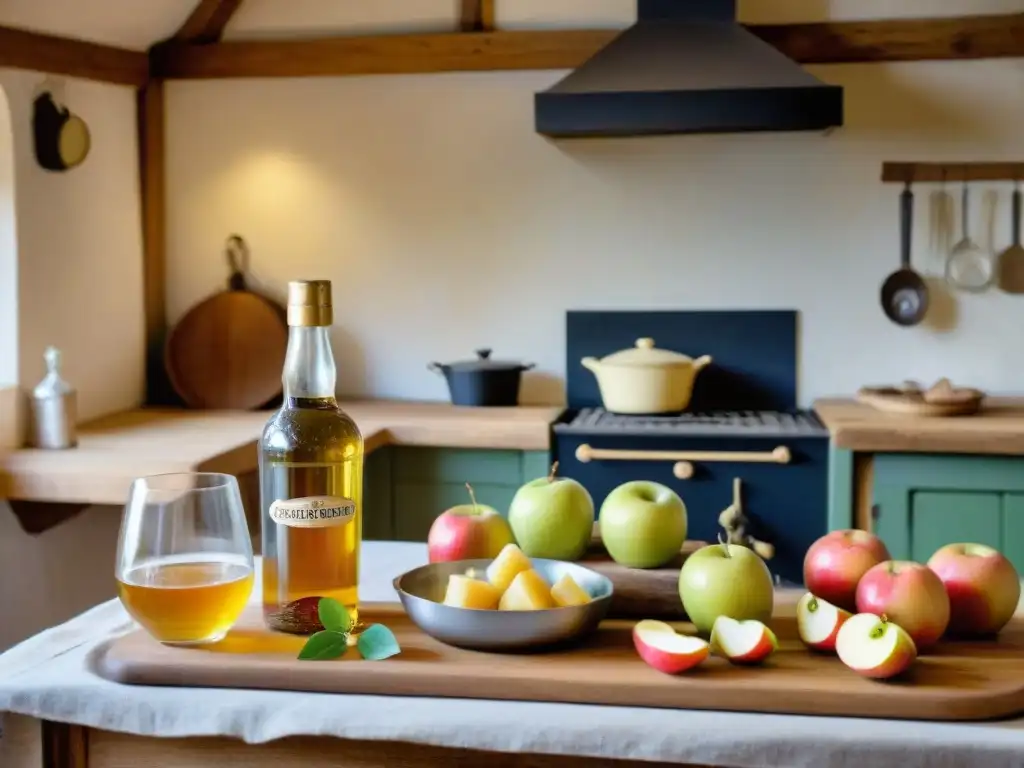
921	502
407	488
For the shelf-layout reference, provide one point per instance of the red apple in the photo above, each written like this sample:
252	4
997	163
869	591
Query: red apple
834	564
819	622
874	647
908	594
743	642
665	649
468	532
983	587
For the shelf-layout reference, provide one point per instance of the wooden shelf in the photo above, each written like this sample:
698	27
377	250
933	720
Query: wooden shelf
115	450
904	173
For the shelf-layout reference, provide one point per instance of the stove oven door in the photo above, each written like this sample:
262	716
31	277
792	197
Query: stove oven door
783	483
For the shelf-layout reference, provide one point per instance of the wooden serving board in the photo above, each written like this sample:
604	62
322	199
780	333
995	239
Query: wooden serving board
641	593
963	681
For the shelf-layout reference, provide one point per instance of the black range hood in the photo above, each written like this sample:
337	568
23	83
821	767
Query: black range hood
686	66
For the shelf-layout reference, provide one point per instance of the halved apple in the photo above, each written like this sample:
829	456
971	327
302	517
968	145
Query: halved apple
665	649
875	647
742	642
818	622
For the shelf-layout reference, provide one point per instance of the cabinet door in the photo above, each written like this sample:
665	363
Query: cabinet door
1013	529
944	517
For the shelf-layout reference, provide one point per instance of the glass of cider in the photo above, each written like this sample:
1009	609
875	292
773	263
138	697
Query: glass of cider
184	556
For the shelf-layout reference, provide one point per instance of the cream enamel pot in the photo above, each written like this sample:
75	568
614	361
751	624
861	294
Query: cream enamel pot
646	380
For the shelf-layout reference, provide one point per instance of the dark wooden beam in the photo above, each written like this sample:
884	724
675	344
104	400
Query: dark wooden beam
965	37
972	37
20	49
152	180
207	21
477	15
953	172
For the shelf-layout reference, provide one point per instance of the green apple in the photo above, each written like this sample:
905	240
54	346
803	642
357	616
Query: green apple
643	524
552	517
725	580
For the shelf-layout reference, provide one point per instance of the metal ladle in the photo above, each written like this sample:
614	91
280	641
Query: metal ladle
969	267
904	293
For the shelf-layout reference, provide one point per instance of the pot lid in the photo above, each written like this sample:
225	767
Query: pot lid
645	353
484	362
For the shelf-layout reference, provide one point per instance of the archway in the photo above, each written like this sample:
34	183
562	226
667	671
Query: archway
8	250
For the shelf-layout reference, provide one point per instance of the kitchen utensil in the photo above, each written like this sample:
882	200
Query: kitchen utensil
228	351
483	382
62	139
968	267
645	380
941	220
1011	261
941	399
957	681
904	293
422	590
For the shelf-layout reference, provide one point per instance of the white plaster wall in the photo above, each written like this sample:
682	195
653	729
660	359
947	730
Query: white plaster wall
447	224
79	286
8	253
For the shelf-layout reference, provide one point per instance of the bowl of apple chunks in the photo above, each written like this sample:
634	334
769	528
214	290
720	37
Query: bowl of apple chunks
511	603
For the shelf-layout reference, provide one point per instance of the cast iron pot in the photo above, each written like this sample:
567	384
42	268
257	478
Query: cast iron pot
483	381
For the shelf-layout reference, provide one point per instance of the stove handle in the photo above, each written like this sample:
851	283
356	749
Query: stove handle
683	460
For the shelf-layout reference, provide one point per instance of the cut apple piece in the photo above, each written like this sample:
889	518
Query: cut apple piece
567	592
818	622
874	647
509	563
742	642
665	649
527	592
467	592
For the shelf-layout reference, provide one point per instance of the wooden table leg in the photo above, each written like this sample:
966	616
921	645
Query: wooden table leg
65	746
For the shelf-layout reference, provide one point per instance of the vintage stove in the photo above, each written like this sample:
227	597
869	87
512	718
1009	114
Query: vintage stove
743	431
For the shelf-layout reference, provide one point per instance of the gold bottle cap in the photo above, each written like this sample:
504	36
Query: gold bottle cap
309	303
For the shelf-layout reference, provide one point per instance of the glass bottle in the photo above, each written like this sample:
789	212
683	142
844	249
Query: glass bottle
311	477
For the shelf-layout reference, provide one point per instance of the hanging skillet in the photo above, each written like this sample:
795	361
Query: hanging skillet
61	138
904	293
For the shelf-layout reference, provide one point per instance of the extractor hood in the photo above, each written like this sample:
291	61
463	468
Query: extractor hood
686	66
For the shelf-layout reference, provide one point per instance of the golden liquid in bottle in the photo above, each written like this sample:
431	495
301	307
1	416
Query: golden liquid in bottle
310	449
188	602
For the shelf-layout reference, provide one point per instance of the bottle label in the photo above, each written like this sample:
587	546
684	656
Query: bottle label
313	511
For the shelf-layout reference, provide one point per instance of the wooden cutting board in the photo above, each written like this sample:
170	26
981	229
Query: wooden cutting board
965	681
641	593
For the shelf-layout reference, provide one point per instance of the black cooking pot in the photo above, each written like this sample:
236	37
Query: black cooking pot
483	381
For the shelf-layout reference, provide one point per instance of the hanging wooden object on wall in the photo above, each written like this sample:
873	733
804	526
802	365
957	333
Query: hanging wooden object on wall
228	351
62	139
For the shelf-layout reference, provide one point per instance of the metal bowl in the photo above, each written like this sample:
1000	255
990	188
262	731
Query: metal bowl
422	590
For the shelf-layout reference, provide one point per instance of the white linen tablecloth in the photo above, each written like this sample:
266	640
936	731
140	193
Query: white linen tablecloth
49	676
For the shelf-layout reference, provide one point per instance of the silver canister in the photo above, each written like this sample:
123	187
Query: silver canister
54	408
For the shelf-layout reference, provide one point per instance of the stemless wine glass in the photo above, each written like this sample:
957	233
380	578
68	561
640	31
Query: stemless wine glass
184	558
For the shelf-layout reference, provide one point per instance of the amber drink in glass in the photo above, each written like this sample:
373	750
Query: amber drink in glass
184	557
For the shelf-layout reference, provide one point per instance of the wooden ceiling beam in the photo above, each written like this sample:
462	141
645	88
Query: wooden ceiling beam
207	21
21	49
972	37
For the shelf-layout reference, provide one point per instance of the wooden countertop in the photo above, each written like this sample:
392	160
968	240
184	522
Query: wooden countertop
998	429
116	449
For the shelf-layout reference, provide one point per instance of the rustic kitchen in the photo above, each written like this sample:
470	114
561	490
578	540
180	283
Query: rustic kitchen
681	415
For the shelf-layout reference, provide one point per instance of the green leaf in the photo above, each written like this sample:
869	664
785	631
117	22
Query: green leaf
333	615
324	646
377	643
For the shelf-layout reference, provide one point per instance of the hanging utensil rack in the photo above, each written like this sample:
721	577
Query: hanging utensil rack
915	173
